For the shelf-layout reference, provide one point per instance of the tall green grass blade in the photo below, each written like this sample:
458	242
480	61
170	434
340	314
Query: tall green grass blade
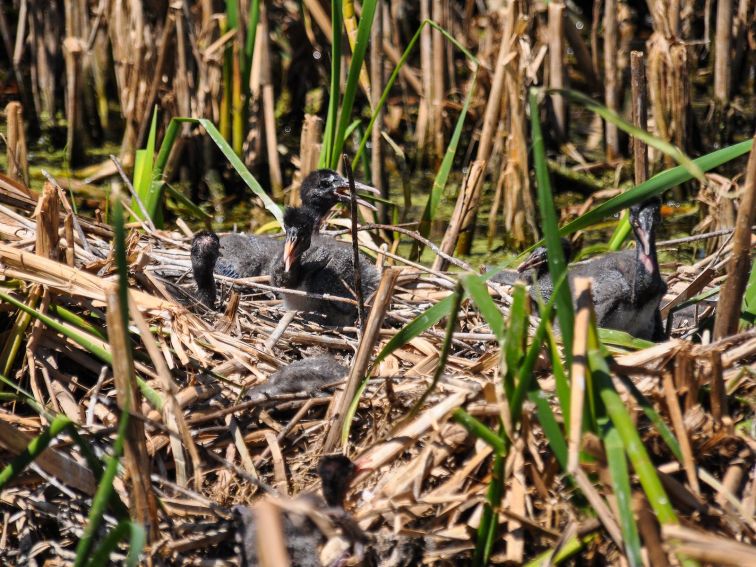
557	264
241	169
615	455
550	426
77	321
197	211
514	342
416	327
657	185
334	95
144	162
101	555
610	116
489	522
353	78
480	431
631	440
137	542
102	496
253	18
35	448
15	337
620	233
566	551
477	291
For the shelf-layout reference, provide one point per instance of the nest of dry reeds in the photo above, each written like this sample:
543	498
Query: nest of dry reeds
202	464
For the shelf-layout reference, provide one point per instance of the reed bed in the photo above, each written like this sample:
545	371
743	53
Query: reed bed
485	429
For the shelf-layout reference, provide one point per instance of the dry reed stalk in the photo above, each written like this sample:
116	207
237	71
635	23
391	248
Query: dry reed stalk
649	529
707	547
271	543
740	40
578	371
18	163
556	66
424	125
640	114
462	210
676	416
518	206
343	396
680	83
310	143
47	214
75	136
611	80
137	462
377	82
722	59
438	82
173	415
269	106
68	233
739	266
718	393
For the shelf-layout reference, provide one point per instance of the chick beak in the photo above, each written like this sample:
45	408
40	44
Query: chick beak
343	194
290	250
531	262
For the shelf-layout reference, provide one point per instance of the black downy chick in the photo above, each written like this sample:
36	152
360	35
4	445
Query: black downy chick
319	265
533	267
304	539
237	255
311	375
627	286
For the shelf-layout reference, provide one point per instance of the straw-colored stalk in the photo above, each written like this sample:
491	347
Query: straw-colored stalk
424	115
518	206
310	144
269	105
377	81
72	51
18	163
464	210
137	462
722	60
342	399
47	214
611	79
438	81
640	114
739	267
556	66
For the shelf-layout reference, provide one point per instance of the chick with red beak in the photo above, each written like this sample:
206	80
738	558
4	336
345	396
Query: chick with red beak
299	224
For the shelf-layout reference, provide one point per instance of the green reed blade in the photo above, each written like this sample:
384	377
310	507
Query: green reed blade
477	291
615	455
557	265
34	449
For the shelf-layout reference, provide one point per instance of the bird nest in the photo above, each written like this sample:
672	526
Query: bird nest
217	463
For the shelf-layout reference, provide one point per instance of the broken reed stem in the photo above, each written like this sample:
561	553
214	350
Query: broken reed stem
68	232
355	243
137	462
676	416
610	77
717	393
739	267
556	66
271	542
640	113
47	214
342	398
72	50
464	216
424	113
18	163
310	143
579	370
722	61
